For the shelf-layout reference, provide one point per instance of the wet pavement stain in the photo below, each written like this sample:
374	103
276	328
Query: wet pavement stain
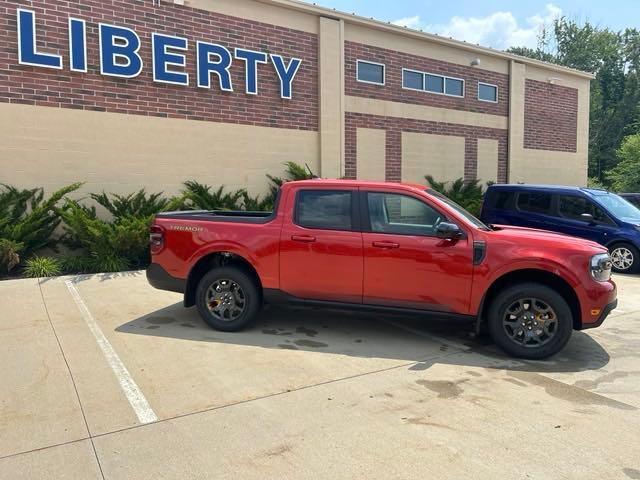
425	422
310	343
569	393
609	378
153	327
284	346
306	331
632	473
188	325
269	331
359	340
444	388
160	320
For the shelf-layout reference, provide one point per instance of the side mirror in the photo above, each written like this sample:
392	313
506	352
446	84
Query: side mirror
587	217
448	231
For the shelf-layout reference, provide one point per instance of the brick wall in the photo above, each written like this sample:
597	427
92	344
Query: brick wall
550	117
394	128
393	91
141	96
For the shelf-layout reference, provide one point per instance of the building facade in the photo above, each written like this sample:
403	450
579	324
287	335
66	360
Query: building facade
125	94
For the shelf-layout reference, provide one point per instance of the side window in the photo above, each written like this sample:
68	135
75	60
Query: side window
501	201
573	207
535	202
400	214
324	209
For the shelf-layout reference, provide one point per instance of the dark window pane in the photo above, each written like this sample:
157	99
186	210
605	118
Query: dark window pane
487	93
454	87
369	72
502	200
434	84
399	214
412	80
535	202
573	207
324	210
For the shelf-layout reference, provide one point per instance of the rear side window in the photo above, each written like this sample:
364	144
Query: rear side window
323	209
535	202
573	207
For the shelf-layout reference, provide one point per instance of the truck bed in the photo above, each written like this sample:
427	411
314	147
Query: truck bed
228	216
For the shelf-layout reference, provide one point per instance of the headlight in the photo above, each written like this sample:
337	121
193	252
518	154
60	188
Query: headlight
600	267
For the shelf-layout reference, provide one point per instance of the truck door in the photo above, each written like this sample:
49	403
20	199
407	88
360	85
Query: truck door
321	254
405	264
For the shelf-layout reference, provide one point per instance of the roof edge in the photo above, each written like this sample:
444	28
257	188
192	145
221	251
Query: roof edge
408	32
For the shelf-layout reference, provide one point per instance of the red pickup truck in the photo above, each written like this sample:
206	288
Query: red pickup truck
386	247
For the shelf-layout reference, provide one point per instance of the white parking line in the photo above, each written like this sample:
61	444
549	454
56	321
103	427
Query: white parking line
131	390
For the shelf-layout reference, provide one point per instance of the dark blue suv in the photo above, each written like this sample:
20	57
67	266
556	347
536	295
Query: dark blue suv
596	215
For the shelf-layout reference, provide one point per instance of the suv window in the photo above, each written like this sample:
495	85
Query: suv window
501	200
324	209
401	214
535	202
573	207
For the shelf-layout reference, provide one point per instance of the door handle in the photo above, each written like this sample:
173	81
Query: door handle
388	245
303	238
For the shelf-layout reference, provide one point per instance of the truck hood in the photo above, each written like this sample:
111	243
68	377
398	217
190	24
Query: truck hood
540	238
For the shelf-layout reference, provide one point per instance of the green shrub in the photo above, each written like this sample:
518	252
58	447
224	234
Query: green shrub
139	204
111	245
198	196
27	222
36	267
625	176
467	194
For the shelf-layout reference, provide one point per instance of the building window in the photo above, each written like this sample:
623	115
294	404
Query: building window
370	72
487	92
428	82
412	80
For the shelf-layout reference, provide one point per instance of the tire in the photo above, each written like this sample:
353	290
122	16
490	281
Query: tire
544	305
625	258
236	297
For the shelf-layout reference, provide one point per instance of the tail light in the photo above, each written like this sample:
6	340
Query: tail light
156	239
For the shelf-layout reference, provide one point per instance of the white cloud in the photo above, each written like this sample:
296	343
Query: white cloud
499	30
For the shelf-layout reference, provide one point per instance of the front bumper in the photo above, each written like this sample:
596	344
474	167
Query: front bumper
159	278
603	316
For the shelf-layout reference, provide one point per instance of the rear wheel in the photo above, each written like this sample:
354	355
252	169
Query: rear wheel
625	258
530	321
227	299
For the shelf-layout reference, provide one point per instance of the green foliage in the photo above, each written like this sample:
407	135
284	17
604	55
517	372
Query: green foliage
466	194
112	245
615	93
36	267
596	183
139	204
201	197
27	222
625	177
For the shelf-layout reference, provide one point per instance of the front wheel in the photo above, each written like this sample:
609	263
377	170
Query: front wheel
530	321
625	258
228	299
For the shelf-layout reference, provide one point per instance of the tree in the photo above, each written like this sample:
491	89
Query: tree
614	57
625	177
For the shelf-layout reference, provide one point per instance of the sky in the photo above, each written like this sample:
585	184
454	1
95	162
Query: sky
498	24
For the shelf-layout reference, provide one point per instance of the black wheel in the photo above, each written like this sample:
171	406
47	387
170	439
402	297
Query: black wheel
530	320
625	258
227	299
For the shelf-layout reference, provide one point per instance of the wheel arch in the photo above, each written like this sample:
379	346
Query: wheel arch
214	260
532	275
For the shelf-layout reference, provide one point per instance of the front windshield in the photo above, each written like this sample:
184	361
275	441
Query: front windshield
619	207
459	209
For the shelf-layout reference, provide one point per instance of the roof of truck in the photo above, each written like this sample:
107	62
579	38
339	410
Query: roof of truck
324	182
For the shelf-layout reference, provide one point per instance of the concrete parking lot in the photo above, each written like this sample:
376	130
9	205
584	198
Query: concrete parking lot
104	377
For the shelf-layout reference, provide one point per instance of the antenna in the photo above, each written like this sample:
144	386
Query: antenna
313	175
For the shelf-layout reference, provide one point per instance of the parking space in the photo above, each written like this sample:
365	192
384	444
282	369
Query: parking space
104	377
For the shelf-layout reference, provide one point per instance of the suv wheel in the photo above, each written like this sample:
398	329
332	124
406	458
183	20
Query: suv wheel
227	299
625	258
530	321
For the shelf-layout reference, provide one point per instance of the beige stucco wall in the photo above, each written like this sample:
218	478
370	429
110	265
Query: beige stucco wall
371	154
543	166
437	155
487	160
331	98
52	147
